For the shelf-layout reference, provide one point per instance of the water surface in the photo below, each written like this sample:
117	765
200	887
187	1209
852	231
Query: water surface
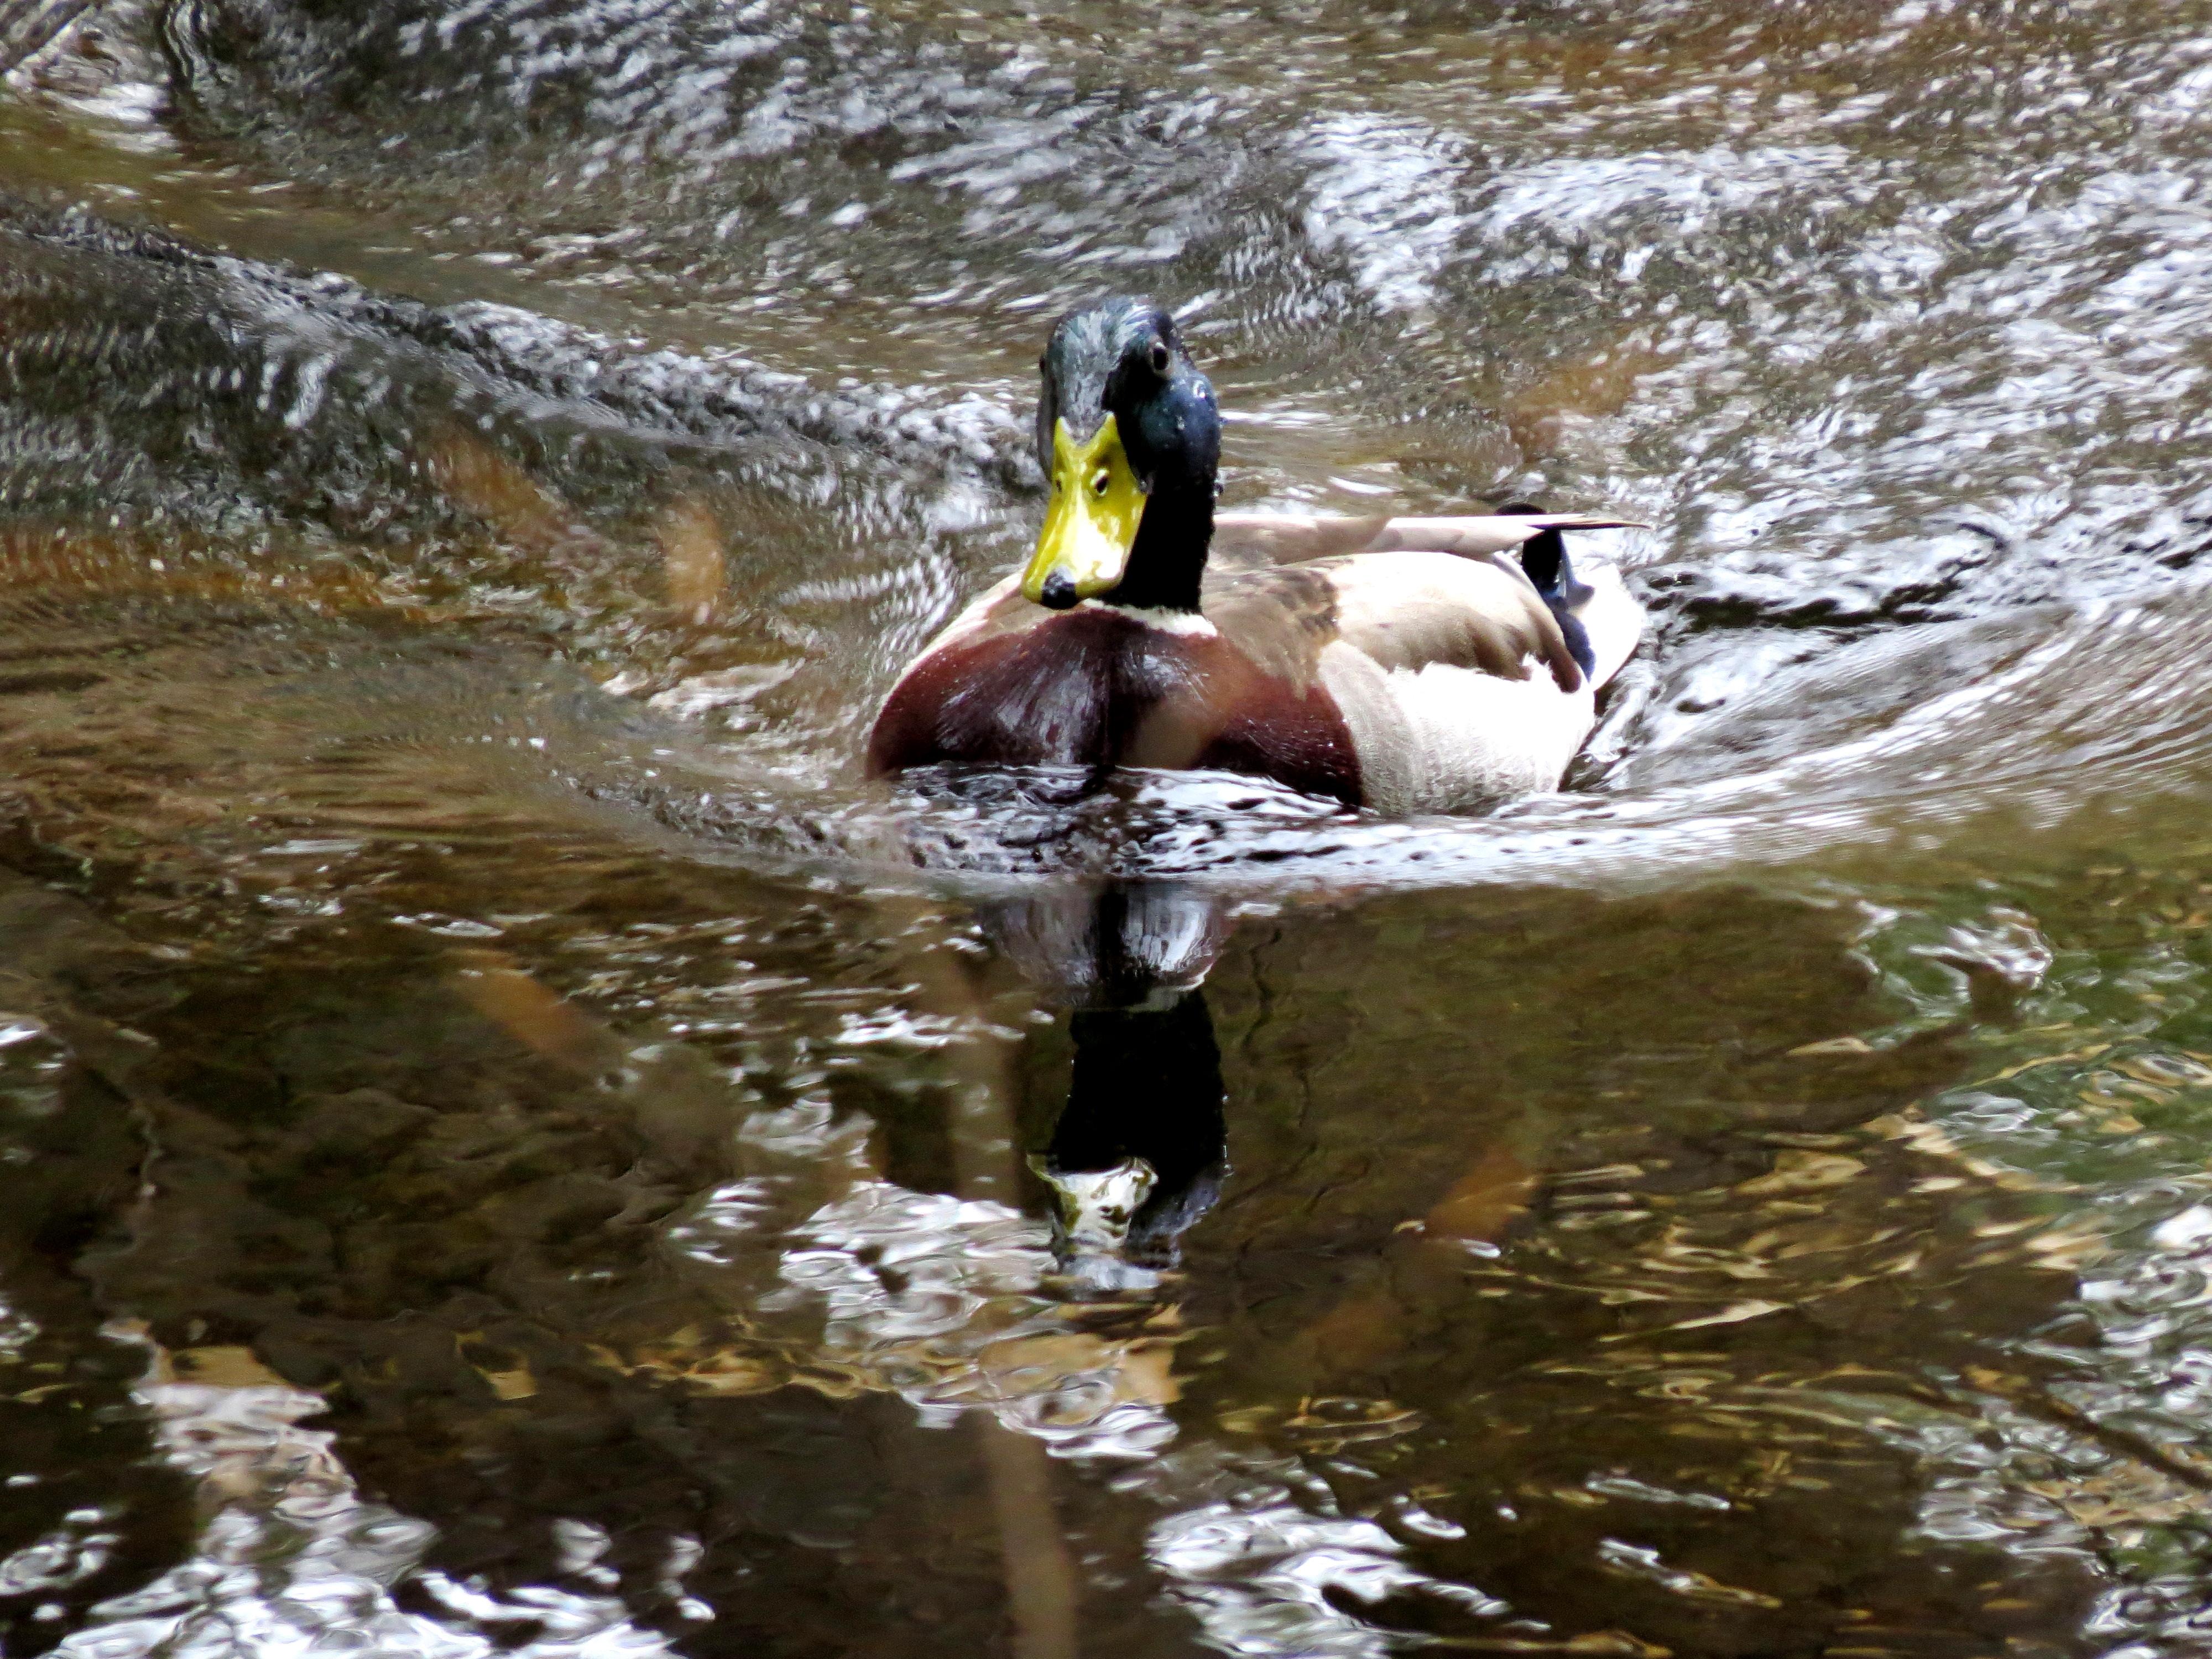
509	1144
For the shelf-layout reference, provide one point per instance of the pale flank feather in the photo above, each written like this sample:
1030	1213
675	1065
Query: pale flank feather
1440	723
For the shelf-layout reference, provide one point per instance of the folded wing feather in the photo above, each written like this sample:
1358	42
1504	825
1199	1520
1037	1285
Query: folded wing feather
1418	608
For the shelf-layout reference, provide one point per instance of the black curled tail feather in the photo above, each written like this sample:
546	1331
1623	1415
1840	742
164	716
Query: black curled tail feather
1543	557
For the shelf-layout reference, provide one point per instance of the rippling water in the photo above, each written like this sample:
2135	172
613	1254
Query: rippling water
510	1144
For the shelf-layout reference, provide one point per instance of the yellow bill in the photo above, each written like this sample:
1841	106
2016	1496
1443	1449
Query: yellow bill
1091	523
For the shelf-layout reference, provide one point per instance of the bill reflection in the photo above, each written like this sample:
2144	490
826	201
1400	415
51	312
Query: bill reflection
1140	1151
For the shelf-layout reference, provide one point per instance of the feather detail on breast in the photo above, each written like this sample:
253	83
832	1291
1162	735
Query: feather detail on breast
1096	687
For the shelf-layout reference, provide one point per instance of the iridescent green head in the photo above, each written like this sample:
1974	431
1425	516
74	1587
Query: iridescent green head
1130	439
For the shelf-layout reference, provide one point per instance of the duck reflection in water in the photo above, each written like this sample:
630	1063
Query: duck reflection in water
1138	1153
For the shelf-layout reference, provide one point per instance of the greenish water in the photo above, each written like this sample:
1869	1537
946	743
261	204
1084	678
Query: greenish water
508	1144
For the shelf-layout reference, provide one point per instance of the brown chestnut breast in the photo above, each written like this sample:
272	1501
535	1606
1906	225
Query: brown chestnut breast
1092	688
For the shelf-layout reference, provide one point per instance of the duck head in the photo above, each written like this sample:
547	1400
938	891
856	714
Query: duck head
1130	439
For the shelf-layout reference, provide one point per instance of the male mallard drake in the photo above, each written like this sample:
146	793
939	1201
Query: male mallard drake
1406	665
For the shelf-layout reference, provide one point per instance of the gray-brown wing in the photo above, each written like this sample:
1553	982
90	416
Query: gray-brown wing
1414	609
1277	617
1406	610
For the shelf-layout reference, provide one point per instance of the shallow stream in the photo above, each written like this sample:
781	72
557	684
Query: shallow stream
509	1145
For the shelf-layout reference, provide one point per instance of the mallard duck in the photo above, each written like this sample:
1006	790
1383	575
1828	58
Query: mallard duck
1402	664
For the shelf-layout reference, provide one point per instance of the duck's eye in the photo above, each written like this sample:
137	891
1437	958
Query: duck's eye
1158	359
1100	481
